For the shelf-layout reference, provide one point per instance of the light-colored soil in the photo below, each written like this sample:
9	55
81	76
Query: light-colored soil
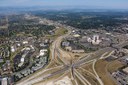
64	81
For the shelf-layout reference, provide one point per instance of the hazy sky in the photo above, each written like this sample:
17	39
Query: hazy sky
119	4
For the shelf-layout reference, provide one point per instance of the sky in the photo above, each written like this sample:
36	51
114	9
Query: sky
114	4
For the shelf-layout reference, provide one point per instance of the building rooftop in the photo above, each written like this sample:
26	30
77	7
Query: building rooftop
125	69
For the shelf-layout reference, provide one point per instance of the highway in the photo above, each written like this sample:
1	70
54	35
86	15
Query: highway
97	76
66	64
58	53
53	49
44	77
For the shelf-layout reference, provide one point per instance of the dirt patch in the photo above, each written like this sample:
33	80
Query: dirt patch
64	81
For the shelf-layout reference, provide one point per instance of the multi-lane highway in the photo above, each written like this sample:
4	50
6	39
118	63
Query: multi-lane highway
60	55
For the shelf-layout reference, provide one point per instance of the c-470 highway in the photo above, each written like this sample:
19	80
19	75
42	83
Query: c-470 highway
58	55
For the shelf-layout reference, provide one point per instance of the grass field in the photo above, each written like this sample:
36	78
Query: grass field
103	68
88	67
89	77
114	66
58	32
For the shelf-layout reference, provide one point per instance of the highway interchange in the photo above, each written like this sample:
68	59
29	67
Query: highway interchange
67	66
